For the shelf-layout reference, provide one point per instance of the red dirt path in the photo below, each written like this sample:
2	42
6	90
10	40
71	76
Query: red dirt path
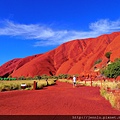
60	99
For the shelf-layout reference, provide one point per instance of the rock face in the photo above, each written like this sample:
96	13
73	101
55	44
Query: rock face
73	57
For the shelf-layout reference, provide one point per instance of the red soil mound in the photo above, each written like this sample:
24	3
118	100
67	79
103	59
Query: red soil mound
74	57
60	99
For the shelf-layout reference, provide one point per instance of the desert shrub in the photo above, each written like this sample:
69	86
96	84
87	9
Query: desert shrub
108	96
28	88
43	82
111	85
108	54
9	86
1	86
39	85
6	87
77	82
1	78
5	79
112	70
112	100
60	76
67	81
55	77
15	86
29	78
63	76
62	80
98	61
44	76
29	84
103	92
31	88
37	77
12	78
51	82
22	78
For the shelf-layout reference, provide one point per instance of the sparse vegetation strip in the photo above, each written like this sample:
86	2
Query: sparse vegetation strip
16	85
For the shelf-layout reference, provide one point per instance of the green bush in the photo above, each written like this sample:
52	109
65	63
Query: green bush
12	78
1	78
5	79
112	70
108	54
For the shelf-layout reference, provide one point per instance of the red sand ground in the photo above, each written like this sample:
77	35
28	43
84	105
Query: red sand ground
60	99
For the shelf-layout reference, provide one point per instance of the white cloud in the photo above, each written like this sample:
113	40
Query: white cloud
46	36
105	25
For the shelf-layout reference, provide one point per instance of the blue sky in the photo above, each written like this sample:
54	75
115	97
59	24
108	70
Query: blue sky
29	27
